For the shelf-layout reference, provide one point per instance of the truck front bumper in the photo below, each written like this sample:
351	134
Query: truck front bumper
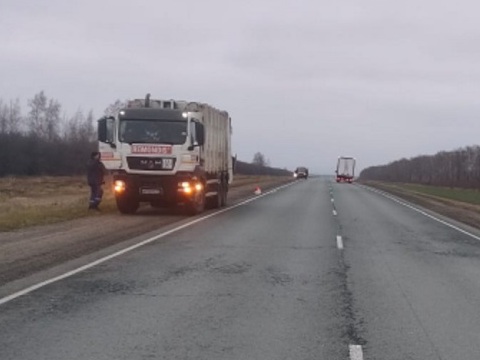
157	189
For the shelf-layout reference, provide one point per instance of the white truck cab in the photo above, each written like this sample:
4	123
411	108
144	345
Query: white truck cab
167	153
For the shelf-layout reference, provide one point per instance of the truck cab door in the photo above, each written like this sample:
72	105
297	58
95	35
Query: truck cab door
107	146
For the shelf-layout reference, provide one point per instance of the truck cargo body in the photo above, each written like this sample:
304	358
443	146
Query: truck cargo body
345	169
168	153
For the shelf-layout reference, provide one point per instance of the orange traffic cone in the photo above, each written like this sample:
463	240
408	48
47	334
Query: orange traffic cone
257	191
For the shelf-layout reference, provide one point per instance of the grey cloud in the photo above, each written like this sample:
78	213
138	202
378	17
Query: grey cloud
304	81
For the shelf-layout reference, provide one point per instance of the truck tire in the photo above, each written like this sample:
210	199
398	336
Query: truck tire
197	205
214	202
223	196
127	205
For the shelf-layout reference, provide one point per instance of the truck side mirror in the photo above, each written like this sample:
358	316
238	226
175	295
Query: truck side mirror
105	130
102	130
200	132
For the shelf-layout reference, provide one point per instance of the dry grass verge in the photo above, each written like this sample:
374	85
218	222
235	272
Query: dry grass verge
29	201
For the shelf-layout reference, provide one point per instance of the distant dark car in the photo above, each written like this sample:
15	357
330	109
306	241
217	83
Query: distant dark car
300	173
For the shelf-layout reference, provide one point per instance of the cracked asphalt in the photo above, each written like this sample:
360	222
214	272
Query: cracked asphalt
266	280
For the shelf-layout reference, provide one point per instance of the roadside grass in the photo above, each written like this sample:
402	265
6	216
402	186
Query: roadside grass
30	201
45	200
469	196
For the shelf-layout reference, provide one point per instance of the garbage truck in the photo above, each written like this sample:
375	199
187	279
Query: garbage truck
345	169
168	153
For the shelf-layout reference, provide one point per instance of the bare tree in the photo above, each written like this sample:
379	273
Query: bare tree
15	119
88	129
259	159
80	127
73	125
52	118
36	115
114	108
44	116
10	117
3	118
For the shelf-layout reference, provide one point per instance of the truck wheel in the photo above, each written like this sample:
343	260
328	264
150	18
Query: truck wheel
197	205
127	205
217	201
214	202
223	196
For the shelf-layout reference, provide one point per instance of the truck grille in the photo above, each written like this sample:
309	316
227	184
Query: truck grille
150	163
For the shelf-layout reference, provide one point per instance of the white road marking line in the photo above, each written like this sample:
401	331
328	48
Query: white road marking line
422	212
131	248
334	213
356	352
339	242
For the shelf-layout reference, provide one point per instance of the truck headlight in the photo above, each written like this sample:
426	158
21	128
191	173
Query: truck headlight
188	188
119	186
185	187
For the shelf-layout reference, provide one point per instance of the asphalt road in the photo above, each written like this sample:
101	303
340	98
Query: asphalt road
315	270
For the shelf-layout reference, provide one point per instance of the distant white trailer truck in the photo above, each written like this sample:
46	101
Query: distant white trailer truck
345	169
168	153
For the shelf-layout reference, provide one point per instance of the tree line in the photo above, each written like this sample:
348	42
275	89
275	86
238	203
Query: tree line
457	168
44	140
245	168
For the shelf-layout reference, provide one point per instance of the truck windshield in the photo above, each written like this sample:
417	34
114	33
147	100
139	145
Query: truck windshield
153	131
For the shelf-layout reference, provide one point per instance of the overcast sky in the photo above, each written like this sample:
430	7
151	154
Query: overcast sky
304	81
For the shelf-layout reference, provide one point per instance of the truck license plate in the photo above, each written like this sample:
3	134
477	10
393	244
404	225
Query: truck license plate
167	163
151	191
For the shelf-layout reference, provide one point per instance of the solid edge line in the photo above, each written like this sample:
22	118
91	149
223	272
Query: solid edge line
356	352
339	242
32	288
421	212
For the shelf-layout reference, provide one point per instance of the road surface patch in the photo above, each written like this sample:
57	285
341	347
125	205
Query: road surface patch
42	284
384	194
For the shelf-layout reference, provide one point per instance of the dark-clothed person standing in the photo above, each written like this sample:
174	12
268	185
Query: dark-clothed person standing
95	178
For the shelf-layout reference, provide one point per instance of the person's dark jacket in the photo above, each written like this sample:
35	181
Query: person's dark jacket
95	172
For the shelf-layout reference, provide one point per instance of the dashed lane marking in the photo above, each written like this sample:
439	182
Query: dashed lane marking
339	242
356	352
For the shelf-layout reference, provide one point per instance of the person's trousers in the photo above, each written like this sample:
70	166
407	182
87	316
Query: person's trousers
96	193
